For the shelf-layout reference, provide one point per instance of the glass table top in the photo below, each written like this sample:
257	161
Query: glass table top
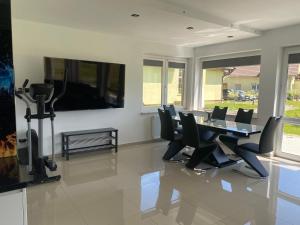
226	125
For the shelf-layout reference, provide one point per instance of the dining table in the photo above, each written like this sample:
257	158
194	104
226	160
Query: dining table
218	158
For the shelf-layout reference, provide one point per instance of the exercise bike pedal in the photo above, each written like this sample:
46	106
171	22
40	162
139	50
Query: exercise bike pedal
22	140
51	179
45	180
51	165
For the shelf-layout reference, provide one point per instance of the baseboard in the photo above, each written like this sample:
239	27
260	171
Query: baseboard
142	142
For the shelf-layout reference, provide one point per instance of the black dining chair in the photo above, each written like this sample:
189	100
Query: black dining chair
248	151
219	114
242	116
192	138
171	109
168	132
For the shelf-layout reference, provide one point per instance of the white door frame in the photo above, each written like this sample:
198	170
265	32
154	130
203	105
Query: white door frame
282	95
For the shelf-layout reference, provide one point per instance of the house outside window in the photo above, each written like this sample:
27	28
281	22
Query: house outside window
238	87
231	83
255	87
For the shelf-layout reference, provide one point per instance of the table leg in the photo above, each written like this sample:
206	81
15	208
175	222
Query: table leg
62	145
219	159
67	149
116	141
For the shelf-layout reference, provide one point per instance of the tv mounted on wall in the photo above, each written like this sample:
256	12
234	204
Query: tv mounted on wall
90	85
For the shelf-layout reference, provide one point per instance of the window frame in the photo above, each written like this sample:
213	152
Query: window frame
280	108
198	97
164	83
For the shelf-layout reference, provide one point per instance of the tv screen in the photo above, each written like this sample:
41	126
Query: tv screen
90	85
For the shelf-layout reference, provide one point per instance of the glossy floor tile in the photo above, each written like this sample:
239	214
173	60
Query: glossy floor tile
135	187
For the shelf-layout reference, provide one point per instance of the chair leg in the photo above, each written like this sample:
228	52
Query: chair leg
173	149
251	159
199	155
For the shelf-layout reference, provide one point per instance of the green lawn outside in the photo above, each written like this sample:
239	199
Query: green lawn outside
292	110
232	105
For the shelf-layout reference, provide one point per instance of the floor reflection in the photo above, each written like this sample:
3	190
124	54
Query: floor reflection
139	188
219	194
289	181
286	208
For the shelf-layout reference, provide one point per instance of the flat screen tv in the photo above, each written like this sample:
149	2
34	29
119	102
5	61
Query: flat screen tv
90	85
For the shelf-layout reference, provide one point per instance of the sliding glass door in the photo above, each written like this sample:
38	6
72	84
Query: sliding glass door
289	105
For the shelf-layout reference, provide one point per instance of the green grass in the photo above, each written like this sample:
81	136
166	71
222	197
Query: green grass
291	129
293	111
232	105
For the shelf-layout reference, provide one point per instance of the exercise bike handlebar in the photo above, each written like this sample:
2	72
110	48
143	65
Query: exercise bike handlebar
19	95
22	91
61	94
28	97
25	90
50	96
25	83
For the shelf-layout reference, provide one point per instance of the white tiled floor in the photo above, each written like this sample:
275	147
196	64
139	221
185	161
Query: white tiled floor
135	186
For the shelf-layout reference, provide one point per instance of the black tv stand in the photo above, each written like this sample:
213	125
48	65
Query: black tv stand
88	140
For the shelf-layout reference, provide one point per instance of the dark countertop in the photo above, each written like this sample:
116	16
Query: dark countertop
12	175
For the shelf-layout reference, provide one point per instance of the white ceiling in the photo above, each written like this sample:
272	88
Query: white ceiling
165	21
258	14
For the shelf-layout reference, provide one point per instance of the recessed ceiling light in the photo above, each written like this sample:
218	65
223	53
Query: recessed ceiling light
190	28
230	36
135	15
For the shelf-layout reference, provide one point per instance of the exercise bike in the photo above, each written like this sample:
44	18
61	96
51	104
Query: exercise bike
39	94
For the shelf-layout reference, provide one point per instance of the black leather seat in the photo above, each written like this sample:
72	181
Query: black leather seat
192	138
249	151
219	114
168	132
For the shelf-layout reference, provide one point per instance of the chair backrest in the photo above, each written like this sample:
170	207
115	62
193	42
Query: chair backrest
244	116
266	142
218	113
166	125
171	109
189	130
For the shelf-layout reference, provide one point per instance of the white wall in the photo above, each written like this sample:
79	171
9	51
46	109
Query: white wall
32	41
271	45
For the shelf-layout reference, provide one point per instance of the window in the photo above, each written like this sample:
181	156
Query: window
255	86
163	82
175	83
152	82
291	127
232	83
